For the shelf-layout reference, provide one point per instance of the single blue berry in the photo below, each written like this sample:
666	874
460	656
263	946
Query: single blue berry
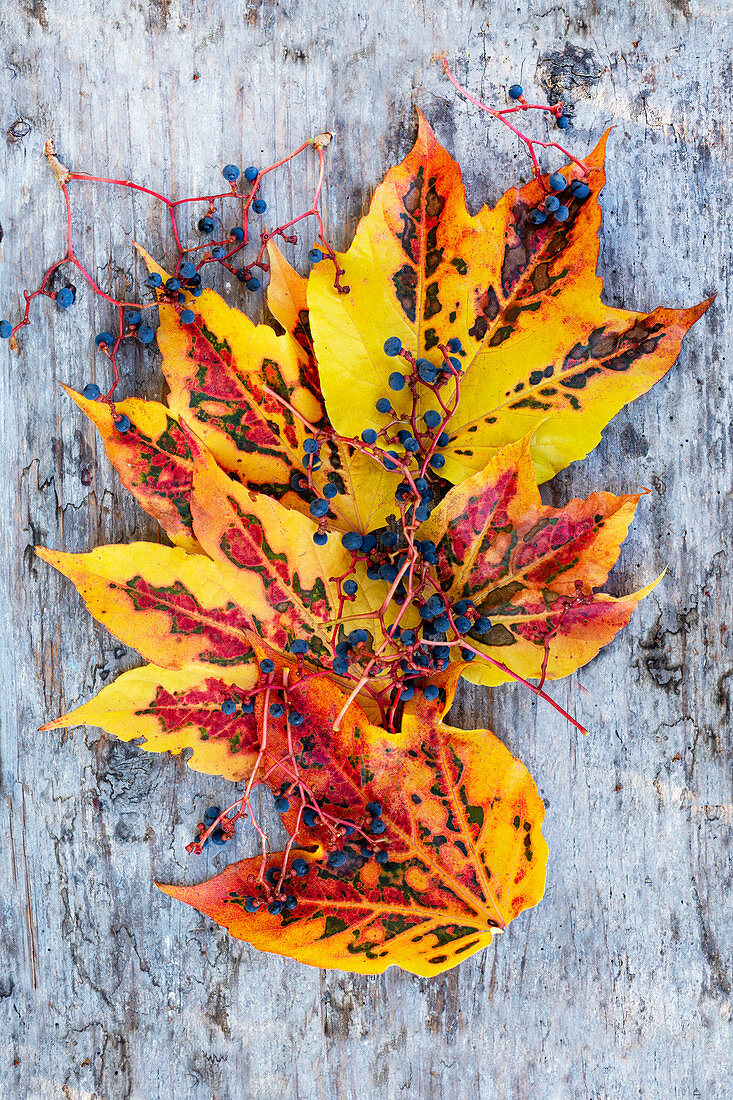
218	836
211	814
291	901
369	435
300	867
432	418
311	462
251	905
330	490
248	707
437	603
154	279
315	255
387	463
462	606
253	284
282	805
228	706
407	637
551	203
562	214
454	344
557	182
318	508
426	613
462	624
340	666
382	857
443	439
251	174
562	122
580	190
297	481
217	252
236	233
187	316
411	444
482	625
365	852
230	172
437	462
243	274
172	284
442	623
206	225
368	543
337	859
431	692
537	217
272	875
388	573
392	346
350	587
295	718
383	405
309	817
259	206
267	666
276	710
122	423
426	371
298	645
133	317
311	446
187	270
374	808
351	540
456	364
516	91
396	381
65	297
275	908
377	826
6	330
467	654
320	538
357	636
91	391
407	693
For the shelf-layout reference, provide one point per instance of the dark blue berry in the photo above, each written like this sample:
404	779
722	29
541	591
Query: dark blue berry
311	446
426	371
91	391
172	284
557	182
187	270
516	91
154	279
437	462
65	297
442	623
237	233
282	805
381	857
456	364
374	808
318	508
482	625
422	512
272	875
537	217
228	706
407	693
217	252
357	636
133	318
320	538
387	463
383	405
369	435
230	172
392	346
443	439
407	637
122	423
462	606
411	444
295	718
350	587
580	190
396	381
432	418
330	490
311	462
259	206
275	908
351	540
267	666
462	624
300	867
377	826
309	817
340	666
431	692
365	852
291	901
218	836
298	645
6	330
187	316
551	203
467	654
206	225
315	255
248	707
251	905
337	859
562	122
251	174
253	284
276	710
437	603
562	214
211	814
454	344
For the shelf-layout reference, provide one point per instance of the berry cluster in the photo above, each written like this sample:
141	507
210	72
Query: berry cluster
557	203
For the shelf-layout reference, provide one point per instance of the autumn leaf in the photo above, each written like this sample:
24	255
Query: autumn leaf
538	346
460	822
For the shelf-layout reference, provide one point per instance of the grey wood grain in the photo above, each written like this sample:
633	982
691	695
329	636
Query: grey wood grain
619	983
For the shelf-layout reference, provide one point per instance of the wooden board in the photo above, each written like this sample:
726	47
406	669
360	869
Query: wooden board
619	984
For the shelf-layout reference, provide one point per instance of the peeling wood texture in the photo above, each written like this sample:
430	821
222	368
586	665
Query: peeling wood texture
619	984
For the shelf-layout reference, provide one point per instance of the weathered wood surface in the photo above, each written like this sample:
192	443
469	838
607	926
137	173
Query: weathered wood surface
619	983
